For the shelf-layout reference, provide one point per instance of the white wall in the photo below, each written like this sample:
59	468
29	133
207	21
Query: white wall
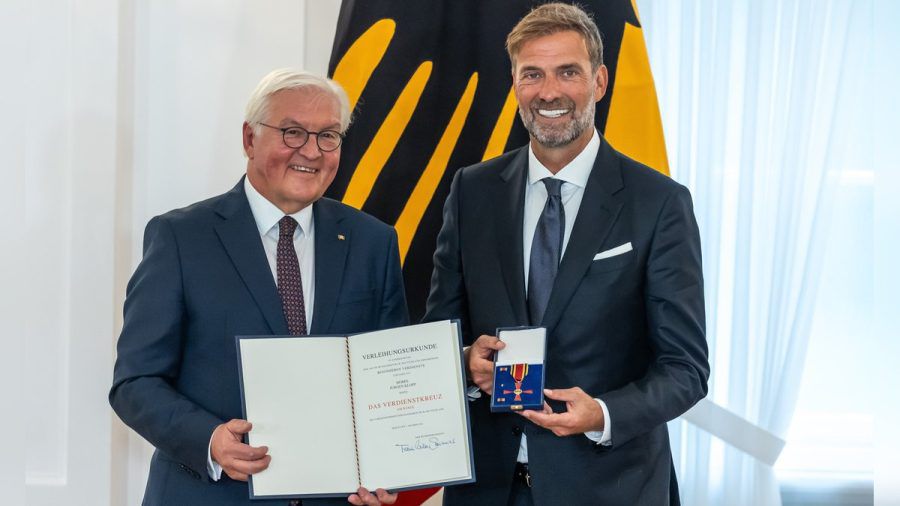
115	111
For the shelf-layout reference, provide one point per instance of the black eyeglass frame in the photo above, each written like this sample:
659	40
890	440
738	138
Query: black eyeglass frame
309	133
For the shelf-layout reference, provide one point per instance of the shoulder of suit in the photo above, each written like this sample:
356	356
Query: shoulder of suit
198	211
635	173
492	166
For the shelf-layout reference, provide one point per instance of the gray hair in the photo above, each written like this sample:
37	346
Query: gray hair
289	79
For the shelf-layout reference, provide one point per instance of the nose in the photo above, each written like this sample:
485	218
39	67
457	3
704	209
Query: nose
549	89
311	150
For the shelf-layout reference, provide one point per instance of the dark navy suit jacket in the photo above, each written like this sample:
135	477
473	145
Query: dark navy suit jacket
204	279
629	329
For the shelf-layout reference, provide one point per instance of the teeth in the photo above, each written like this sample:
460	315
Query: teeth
552	113
301	168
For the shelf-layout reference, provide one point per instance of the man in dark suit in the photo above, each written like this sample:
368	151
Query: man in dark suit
271	256
568	234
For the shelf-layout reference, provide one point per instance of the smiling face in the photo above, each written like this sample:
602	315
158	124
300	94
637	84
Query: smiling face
287	177
557	91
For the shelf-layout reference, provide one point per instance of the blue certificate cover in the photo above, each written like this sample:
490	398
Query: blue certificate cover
519	369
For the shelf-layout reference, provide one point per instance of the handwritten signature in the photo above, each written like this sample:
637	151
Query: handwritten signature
432	443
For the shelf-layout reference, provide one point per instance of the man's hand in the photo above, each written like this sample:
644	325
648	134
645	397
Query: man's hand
480	361
364	497
583	413
237	459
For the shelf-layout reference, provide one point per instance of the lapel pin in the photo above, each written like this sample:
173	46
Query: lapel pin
341	237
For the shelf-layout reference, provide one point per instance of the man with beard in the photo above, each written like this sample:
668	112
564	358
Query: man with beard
569	234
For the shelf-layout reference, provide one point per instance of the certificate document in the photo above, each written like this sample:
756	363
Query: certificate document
380	409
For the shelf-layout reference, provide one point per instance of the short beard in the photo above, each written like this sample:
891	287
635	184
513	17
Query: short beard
558	136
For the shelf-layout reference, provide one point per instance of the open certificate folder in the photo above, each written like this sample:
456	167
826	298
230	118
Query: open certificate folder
380	409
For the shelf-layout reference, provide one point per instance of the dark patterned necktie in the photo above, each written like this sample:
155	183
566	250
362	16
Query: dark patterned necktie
545	251
290	285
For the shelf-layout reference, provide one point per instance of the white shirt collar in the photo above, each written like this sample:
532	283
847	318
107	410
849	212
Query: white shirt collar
267	215
576	172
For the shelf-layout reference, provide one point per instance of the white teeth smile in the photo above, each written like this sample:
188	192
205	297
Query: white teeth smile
301	168
552	113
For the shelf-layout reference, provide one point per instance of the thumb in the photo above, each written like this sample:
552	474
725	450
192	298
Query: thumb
238	426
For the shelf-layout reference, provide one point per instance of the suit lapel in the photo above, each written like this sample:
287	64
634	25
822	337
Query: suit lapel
599	210
510	212
332	243
240	238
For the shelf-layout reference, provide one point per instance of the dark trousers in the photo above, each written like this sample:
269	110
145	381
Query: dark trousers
520	495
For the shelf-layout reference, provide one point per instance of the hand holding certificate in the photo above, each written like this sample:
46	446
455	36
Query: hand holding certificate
383	409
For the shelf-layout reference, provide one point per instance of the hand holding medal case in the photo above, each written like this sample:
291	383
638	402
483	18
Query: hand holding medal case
519	369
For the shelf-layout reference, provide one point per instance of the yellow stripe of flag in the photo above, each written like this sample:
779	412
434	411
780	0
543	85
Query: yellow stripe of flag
421	196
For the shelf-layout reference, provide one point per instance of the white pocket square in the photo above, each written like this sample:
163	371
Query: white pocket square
618	250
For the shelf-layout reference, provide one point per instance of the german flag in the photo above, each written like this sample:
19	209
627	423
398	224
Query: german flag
430	84
431	87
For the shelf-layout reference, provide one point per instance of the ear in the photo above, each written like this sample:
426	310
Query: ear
249	139
601	80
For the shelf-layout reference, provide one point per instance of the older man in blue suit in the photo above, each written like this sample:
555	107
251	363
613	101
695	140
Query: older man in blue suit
270	256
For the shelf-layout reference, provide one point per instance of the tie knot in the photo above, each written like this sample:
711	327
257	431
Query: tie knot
286	227
553	186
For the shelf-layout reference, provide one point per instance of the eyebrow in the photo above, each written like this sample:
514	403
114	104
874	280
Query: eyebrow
288	123
564	66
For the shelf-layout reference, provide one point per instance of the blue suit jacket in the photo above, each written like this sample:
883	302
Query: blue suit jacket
204	278
628	329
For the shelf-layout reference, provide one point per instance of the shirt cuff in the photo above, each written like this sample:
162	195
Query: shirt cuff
602	437
213	469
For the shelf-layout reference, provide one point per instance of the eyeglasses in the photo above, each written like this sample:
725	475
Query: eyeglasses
296	137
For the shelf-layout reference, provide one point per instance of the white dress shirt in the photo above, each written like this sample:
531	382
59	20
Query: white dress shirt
574	177
267	215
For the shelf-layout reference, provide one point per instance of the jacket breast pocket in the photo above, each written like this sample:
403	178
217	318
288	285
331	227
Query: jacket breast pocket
612	263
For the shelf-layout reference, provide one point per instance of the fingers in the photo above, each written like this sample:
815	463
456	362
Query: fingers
482	374
485	345
480	361
225	448
541	418
234	475
243	453
251	466
582	413
363	497
545	410
561	424
385	497
242	469
238	460
237	426
565	394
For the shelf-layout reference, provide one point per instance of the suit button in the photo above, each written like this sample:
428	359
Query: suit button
294	502
517	430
